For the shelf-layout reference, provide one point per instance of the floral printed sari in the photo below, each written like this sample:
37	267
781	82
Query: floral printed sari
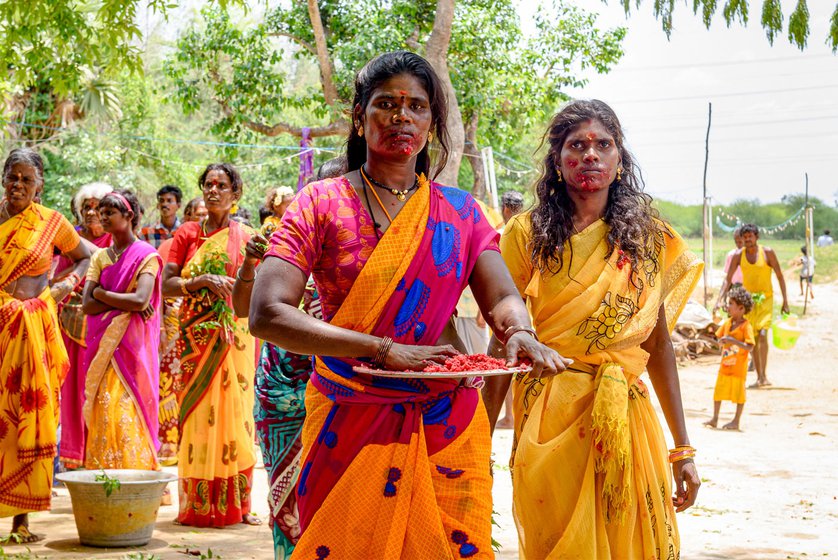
589	447
215	454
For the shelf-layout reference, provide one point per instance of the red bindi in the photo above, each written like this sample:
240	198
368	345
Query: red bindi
402	92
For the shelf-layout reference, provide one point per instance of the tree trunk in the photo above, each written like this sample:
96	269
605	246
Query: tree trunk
472	153
330	91
436	51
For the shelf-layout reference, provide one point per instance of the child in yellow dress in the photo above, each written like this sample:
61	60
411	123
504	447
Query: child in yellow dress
737	338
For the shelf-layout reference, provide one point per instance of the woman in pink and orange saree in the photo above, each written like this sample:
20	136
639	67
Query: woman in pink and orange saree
122	301
391	467
34	360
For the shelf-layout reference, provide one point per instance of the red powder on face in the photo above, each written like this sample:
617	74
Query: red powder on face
407	150
463	362
403	93
572	163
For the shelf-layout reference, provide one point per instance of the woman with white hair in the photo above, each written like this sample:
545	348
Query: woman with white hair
74	324
277	200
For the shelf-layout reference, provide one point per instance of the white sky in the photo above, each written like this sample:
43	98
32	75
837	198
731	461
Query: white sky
775	109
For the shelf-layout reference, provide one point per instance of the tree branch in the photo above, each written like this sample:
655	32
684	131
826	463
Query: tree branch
330	92
437	45
331	129
436	51
303	43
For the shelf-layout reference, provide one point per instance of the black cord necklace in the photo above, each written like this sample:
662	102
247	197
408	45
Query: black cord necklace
369	208
400	194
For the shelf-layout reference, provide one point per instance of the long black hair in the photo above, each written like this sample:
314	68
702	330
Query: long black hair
376	72
628	213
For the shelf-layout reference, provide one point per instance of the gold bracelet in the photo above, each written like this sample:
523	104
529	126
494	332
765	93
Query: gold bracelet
183	289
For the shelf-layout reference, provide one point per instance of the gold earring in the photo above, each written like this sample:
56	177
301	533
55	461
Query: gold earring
361	130
430	137
559	174
234	208
619	174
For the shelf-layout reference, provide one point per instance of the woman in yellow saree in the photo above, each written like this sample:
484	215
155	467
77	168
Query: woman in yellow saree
603	278
122	299
34	360
215	454
390	467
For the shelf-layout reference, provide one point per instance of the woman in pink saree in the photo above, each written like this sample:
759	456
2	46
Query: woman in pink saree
122	299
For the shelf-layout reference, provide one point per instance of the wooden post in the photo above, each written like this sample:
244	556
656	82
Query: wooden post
708	257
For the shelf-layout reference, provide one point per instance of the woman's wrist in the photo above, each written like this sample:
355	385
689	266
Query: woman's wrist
518	329
249	274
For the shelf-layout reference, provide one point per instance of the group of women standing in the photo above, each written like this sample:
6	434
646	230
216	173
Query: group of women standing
384	467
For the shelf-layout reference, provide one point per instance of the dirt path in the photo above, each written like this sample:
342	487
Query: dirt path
770	491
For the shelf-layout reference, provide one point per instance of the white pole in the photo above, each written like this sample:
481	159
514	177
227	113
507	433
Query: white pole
491	178
709	263
484	158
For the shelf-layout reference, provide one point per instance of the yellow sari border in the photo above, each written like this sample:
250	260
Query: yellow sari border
387	265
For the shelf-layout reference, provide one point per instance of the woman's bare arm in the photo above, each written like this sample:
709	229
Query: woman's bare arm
663	373
275	317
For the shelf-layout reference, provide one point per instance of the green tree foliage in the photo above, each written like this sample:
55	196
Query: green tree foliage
771	17
60	59
266	78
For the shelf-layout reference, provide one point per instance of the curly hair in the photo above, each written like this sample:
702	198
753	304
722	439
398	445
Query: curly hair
376	72
740	295
633	222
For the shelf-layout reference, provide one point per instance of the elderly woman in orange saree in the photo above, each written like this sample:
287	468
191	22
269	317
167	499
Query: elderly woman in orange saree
122	299
390	467
603	278
216	451
34	360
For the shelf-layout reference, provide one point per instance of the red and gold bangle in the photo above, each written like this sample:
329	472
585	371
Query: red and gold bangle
681	452
183	289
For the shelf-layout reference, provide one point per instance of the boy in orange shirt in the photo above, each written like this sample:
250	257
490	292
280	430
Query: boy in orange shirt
737	338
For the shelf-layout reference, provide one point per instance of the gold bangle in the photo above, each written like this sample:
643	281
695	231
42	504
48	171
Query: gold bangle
183	288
